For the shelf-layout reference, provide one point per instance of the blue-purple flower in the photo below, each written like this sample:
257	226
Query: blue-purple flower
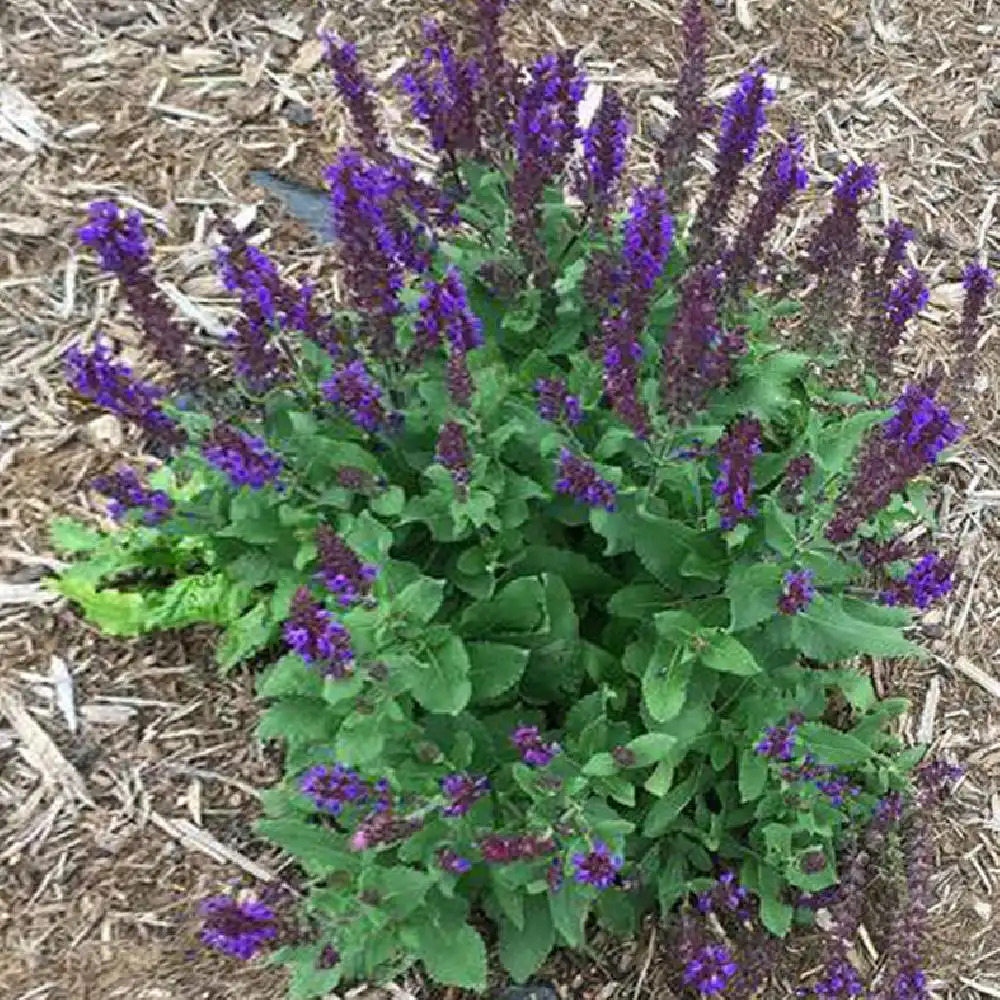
245	459
978	281
926	581
239	929
463	791
452	862
733	489
647	238
356	395
533	749
341	571
313	633
605	142
454	453
125	492
555	402
710	970
778	742
579	479
598	867
906	298
798	592
356	91
332	787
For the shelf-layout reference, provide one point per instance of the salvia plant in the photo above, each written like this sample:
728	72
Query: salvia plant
555	550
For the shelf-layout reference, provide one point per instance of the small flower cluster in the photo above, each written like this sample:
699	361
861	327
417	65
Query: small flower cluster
798	593
245	459
99	378
798	470
555	402
825	778
734	486
579	479
313	633
778	742
605	143
237	928
927	581
710	970
725	896
452	862
454	453
125	492
332	788
463	792
357	396
598	867
356	91
534	751
341	571
505	849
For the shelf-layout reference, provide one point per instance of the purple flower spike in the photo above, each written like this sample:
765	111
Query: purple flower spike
463	791
126	492
245	459
778	742
579	479
734	486
445	94
710	970
927	581
454	864
358	397
237	929
318	638
333	787
555	402
798	592
341	571
604	147
454	453
99	378
978	282
534	751
648	236
597	867
355	90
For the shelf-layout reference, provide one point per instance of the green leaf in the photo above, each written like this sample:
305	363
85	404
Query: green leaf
522	950
601	765
753	592
775	914
72	536
316	848
569	908
779	528
421	600
856	688
248	634
360	740
401	890
842	438
290	676
752	776
453	955
390	503
665	682
638	600
519	607
297	720
666	809
832	746
495	668
440	682
114	612
827	633
650	748
729	656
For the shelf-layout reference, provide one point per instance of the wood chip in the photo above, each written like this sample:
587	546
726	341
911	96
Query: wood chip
62	681
26	593
986	681
23	225
22	122
925	730
195	838
309	56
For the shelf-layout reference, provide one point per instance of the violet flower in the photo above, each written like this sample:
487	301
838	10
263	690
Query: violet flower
710	970
505	849
579	479
332	788
356	91
357	396
779	742
454	453
453	863
341	571
463	791
555	402
238	929
245	459
927	581
605	142
598	867
733	488
798	470
126	492
978	282
383	829
318	637
798	592
534	751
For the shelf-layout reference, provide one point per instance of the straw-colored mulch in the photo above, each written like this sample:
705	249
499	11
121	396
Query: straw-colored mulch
128	771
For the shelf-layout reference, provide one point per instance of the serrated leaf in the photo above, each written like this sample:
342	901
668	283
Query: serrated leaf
319	850
753	592
420	600
651	748
665	681
667	808
775	914
297	720
523	949
72	536
390	503
569	907
440	680
290	676
519	607
638	600
729	656
401	890
827	633
832	746
453	955
600	765
752	775
495	668
248	634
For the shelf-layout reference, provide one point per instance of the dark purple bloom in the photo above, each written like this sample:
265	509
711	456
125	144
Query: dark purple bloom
332	787
604	146
341	571
445	94
533	749
855	180
119	240
710	970
454	453
328	958
935	780
798	592
382	828
778	742
245	459
501	87
543	131
797	471
784	174
99	378
621	377
505	849
453	863
894	454
579	479
356	91
899	237
727	895
698	354
926	582
463	791
743	119
445	314
733	488
126	492
676	153
318	637
237	929
839	981
555	402
357	480
906	298
597	867
357	395
555	875
647	238
978	282
624	757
